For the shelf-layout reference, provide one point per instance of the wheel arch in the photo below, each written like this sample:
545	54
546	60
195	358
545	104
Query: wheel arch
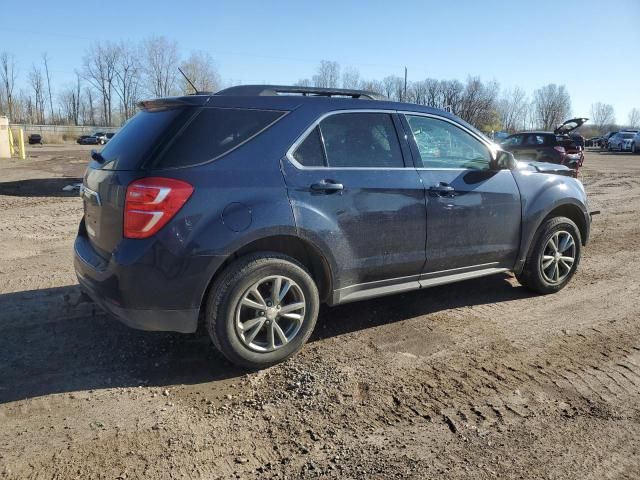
573	211
301	250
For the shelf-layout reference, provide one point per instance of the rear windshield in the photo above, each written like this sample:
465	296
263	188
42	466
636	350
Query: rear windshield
183	136
136	139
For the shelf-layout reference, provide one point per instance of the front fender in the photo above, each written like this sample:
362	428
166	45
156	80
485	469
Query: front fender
543	194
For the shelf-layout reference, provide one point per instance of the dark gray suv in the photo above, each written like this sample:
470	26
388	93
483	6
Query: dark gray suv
246	209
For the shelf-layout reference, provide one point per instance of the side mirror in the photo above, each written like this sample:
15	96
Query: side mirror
503	161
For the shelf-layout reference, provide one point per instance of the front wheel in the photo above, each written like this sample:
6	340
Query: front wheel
553	257
262	309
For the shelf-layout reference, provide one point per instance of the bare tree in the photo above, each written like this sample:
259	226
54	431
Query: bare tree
634	118
417	93
160	60
478	103
28	111
433	91
70	102
88	110
552	105
99	66
45	61
37	85
393	87
327	75
127	79
602	114
8	75
201	69
304	82
374	86
511	108
451	94
351	78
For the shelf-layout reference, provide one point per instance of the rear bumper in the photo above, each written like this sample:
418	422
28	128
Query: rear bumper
182	321
142	291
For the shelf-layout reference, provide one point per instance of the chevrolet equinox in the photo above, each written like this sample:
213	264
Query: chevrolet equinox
244	210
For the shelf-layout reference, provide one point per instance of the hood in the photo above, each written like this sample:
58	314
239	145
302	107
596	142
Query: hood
544	167
569	125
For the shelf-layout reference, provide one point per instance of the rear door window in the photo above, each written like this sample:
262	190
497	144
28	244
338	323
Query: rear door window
213	132
361	140
534	140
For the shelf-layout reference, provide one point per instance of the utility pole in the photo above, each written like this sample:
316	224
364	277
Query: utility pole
404	96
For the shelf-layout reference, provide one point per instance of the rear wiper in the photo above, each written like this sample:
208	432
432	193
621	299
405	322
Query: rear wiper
97	156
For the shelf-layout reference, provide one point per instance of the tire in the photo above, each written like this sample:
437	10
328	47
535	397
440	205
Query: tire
633	148
540	279
231	304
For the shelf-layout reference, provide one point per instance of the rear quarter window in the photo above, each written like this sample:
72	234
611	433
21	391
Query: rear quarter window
211	133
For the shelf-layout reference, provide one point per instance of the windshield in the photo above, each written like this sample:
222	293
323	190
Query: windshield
628	135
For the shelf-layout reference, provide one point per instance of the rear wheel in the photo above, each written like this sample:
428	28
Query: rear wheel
553	257
262	310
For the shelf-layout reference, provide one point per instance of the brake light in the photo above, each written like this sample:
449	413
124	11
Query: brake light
559	149
151	202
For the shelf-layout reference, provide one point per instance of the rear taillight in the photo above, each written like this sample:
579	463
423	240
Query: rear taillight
559	149
151	202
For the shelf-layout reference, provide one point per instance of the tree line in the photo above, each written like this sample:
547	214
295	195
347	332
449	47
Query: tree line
111	79
113	76
482	104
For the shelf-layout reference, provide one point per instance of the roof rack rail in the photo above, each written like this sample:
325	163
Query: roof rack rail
274	90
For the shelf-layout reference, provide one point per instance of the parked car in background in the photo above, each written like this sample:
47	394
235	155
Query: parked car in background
247	209
101	137
635	144
35	139
578	140
542	146
88	140
593	142
109	136
621	141
604	140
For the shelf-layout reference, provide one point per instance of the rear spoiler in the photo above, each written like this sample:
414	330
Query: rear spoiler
172	102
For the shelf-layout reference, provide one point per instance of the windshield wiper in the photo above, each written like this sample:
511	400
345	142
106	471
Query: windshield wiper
97	156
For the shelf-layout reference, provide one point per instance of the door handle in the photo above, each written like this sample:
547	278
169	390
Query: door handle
441	189
327	186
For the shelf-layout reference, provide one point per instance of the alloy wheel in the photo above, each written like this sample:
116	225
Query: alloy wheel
270	313
558	257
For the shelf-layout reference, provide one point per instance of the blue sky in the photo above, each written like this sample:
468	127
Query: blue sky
591	46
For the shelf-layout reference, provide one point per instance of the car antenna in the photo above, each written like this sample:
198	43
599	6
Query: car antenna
190	82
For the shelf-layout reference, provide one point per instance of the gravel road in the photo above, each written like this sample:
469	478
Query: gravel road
474	380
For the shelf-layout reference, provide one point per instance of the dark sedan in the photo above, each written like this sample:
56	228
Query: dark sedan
88	140
555	147
35	139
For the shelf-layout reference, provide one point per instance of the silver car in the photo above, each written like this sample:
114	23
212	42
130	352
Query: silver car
621	141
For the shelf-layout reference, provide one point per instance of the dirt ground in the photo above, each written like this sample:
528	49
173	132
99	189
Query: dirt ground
474	380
